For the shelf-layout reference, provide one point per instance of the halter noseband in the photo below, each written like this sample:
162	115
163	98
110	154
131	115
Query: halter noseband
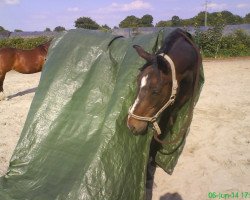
168	103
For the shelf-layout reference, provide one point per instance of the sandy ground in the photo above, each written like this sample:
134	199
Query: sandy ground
216	157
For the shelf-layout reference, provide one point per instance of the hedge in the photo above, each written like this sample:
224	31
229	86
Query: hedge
23	43
213	44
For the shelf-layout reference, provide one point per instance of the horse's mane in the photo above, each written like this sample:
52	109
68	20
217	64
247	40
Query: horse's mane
171	39
167	45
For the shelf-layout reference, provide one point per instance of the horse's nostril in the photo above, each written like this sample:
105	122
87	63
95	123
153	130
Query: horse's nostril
131	128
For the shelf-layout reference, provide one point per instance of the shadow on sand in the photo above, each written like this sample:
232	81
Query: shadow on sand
171	196
151	169
28	91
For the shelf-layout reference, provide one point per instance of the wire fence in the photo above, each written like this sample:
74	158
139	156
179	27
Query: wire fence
127	32
130	32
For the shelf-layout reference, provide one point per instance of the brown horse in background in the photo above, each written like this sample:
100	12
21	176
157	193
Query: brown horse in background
23	61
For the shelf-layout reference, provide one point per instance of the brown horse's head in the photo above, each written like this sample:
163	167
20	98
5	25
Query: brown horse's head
44	47
160	79
154	89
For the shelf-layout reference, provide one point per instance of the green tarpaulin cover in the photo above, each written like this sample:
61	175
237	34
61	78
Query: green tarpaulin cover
75	143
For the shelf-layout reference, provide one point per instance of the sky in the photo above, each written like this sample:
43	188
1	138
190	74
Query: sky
36	15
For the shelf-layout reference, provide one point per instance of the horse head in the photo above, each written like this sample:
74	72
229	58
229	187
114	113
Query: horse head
155	91
163	84
44	47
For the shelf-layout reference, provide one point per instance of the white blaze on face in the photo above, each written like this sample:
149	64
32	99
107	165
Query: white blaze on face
143	84
144	81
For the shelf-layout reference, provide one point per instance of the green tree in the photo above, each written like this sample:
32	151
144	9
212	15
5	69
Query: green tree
59	28
212	18
188	22
47	30
87	23
247	18
163	24
130	22
18	30
146	21
2	28
105	26
199	20
4	32
176	21
230	18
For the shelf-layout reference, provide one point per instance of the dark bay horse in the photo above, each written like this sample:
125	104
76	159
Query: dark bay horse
165	83
23	61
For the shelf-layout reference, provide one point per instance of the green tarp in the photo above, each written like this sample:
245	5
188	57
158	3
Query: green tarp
75	143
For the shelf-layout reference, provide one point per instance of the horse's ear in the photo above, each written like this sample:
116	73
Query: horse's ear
142	53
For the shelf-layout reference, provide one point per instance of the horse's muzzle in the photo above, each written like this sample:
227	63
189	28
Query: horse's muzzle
137	127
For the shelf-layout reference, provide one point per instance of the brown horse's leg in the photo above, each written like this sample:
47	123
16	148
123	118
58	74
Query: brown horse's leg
2	76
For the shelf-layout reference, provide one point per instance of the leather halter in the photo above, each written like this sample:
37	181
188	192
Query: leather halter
167	104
